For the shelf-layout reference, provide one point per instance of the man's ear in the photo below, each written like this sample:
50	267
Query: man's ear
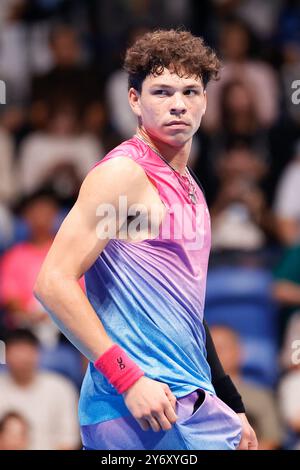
205	102
134	101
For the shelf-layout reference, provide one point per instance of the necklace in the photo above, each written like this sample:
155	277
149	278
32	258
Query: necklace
191	189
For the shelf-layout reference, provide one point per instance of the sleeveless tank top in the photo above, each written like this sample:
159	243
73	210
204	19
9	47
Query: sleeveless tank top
150	294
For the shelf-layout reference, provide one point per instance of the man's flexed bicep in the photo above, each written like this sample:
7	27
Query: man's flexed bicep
95	217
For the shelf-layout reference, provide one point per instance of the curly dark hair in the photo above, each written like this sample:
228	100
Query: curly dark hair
178	50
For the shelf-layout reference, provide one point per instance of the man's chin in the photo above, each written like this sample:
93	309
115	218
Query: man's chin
178	140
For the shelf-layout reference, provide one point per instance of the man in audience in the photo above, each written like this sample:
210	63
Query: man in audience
286	288
287	207
14	432
241	219
20	266
47	401
259	402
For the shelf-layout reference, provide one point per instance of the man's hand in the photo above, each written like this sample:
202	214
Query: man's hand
248	439
152	404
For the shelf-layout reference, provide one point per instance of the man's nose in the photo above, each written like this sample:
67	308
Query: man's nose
178	105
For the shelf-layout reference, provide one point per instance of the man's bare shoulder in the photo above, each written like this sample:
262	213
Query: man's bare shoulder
118	175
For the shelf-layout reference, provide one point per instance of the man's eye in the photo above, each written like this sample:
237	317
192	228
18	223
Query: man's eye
190	92
161	92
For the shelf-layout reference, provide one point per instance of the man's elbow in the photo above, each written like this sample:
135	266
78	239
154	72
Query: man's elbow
44	286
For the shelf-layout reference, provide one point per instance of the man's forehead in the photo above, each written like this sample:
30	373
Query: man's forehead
170	76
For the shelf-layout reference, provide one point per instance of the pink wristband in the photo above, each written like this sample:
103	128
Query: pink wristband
118	368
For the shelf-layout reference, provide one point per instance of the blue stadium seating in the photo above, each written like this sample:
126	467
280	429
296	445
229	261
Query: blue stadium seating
240	298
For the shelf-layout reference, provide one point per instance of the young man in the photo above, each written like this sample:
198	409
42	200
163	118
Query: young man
140	232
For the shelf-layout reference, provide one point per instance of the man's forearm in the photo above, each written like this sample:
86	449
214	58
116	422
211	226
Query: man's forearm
72	312
287	292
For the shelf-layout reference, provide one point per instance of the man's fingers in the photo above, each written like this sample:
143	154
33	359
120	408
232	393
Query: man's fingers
144	424
154	423
243	445
253	444
170	412
164	422
171	397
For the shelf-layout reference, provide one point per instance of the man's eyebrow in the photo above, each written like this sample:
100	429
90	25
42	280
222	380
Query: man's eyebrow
189	86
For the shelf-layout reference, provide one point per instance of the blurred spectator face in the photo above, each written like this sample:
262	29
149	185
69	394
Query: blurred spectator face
13	118
291	52
238	99
63	121
22	360
240	163
228	348
234	42
40	215
95	118
65	47
14	434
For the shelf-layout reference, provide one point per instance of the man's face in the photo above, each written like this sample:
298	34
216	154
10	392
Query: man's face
40	216
228	348
22	360
169	107
15	435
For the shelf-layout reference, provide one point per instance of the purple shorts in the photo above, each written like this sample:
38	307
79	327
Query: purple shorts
210	426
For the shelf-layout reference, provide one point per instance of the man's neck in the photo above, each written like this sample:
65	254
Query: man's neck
25	381
40	239
177	157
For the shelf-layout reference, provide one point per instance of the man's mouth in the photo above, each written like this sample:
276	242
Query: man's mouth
177	123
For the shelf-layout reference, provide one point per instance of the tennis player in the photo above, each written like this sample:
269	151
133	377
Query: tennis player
140	233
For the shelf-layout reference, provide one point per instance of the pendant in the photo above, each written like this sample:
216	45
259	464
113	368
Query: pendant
192	197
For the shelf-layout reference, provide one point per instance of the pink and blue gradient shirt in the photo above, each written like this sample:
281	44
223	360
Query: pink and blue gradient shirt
150	294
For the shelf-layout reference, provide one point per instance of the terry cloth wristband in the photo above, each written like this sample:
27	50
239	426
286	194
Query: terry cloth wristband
226	390
118	368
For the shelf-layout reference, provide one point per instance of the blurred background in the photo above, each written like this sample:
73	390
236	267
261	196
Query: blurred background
66	106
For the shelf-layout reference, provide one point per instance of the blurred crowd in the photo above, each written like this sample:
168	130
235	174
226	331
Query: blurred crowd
66	106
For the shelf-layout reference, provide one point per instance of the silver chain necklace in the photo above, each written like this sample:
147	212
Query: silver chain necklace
192	188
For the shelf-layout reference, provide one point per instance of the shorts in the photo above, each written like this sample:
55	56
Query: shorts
204	423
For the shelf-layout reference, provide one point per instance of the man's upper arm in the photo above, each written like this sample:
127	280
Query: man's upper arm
79	240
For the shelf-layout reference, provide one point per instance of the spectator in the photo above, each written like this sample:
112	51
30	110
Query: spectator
290	72
286	288
288	36
287	207
258	76
240	125
120	112
262	16
14	64
21	263
60	157
259	402
240	216
46	400
14	432
121	115
240	122
69	79
8	189
290	353
290	406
